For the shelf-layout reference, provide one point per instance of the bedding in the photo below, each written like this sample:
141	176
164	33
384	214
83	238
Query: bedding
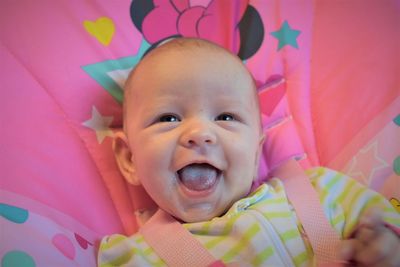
329	86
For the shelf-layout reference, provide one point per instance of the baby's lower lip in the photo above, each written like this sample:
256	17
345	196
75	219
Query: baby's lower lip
199	193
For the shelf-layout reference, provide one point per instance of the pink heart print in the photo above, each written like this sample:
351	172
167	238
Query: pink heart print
82	241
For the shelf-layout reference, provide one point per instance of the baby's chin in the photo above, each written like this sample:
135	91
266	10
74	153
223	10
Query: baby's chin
200	213
195	218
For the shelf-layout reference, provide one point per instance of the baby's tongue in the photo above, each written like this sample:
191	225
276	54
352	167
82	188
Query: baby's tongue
198	177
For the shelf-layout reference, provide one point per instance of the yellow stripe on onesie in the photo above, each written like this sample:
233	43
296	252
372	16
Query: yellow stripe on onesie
262	229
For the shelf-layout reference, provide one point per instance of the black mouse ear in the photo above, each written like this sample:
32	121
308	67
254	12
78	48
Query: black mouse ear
139	10
251	33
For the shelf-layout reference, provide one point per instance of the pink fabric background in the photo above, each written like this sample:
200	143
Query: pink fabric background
338	95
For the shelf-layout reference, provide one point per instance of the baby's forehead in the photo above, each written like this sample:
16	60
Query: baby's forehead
195	52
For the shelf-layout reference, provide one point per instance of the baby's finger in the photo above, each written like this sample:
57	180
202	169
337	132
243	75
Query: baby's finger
393	261
379	250
373	218
348	249
366	235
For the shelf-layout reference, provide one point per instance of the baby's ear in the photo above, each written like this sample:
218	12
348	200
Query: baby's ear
124	158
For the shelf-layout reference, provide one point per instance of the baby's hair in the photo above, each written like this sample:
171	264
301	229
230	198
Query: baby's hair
181	44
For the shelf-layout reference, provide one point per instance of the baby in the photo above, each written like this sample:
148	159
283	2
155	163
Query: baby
192	138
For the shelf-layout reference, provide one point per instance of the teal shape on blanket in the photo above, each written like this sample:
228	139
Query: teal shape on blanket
397	120
286	36
13	213
101	72
396	165
17	258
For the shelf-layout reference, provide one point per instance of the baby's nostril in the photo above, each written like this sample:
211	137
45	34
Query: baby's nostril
192	142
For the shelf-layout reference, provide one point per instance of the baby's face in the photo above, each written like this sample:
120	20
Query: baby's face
194	132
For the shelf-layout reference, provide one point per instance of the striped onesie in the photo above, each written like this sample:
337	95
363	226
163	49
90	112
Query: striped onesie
262	229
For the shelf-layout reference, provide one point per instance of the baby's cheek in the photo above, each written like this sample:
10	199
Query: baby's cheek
241	186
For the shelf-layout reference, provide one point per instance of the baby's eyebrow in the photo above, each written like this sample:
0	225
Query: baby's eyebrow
159	107
227	102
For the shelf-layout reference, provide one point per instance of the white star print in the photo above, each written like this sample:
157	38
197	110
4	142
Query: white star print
100	124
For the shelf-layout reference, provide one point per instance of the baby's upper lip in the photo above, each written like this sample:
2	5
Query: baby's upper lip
199	161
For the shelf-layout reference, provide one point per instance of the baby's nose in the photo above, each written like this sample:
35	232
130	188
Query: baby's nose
199	135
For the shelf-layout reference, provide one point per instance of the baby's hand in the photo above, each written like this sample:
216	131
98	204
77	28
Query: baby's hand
372	244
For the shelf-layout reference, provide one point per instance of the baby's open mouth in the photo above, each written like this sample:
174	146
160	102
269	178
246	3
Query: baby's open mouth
198	177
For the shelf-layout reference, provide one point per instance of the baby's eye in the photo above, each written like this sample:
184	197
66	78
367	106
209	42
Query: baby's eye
225	117
168	118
